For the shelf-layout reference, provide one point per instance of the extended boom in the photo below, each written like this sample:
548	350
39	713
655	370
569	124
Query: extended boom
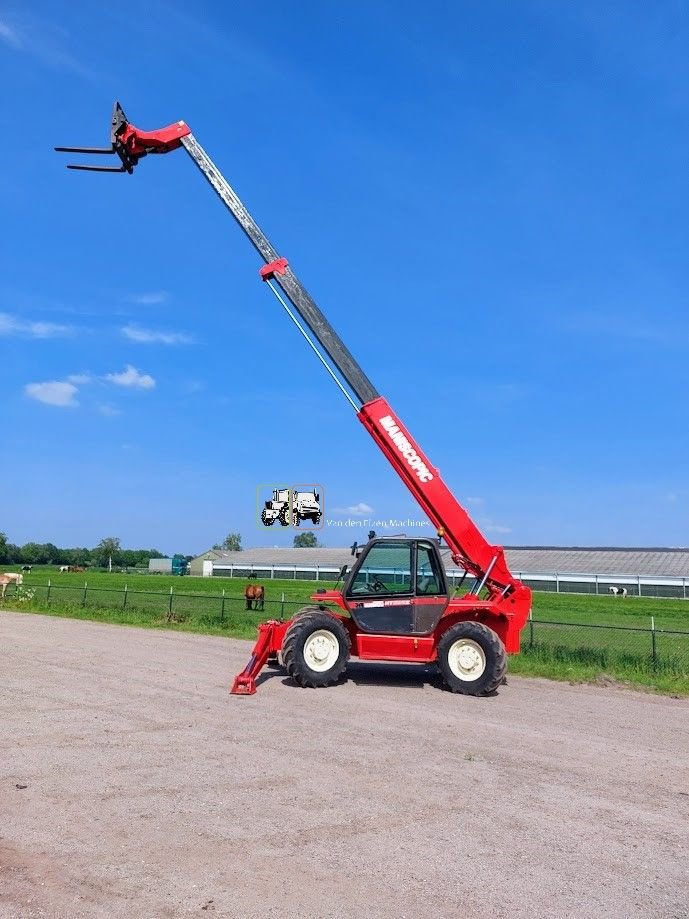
505	605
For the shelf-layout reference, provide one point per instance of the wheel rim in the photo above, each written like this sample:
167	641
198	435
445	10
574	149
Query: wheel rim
467	659
321	650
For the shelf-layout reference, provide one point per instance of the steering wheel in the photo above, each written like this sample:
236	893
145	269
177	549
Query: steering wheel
378	585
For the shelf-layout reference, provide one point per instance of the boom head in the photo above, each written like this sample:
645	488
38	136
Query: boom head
130	144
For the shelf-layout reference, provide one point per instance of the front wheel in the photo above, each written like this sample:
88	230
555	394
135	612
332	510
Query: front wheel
316	649
267	521
472	659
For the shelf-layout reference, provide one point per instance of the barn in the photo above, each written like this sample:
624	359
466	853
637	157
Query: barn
578	568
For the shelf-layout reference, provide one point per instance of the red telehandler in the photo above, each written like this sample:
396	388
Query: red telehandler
395	603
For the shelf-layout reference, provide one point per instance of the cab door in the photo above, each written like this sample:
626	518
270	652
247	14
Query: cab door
430	588
379	593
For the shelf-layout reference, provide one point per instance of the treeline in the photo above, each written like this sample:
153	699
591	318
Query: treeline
34	553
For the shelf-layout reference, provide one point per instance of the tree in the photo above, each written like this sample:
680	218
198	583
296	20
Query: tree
232	542
3	548
306	540
108	551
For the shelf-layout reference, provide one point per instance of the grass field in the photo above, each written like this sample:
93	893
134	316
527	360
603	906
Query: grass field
573	637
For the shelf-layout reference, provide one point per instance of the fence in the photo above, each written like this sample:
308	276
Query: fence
637	584
620	648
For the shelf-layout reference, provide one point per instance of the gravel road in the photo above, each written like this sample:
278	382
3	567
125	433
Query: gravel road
132	785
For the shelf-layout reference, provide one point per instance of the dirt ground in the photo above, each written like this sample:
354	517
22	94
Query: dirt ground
133	785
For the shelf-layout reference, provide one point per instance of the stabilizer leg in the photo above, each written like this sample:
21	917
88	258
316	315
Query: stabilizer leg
245	682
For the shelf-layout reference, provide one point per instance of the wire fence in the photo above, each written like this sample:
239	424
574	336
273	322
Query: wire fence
645	649
641	648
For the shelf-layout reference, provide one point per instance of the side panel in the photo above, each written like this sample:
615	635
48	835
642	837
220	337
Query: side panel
394	648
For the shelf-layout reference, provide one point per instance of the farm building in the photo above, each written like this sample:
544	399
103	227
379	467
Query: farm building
606	563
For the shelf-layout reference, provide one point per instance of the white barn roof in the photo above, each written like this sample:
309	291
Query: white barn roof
529	559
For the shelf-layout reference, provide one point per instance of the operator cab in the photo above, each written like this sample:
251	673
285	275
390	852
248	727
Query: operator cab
397	587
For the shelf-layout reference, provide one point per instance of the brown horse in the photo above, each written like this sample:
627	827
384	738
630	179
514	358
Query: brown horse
254	594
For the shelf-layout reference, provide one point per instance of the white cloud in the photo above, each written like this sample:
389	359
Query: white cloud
79	379
475	501
110	411
9	35
497	528
54	393
43	41
152	336
355	510
193	386
11	325
131	377
150	299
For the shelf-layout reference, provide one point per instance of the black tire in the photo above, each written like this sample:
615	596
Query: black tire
296	644
267	521
483	652
283	517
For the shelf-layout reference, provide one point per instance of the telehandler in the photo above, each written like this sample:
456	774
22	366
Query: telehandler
377	615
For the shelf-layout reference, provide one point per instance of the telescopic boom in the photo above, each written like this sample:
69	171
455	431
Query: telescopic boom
467	544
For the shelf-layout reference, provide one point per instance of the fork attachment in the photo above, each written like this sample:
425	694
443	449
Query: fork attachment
130	144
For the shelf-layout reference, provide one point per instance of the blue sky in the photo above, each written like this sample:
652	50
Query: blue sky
488	201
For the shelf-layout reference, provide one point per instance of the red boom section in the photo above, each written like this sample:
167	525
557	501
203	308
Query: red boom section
467	544
139	143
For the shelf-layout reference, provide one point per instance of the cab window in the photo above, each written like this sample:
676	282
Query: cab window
385	570
428	579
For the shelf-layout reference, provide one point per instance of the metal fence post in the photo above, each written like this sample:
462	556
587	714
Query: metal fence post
222	606
596	585
684	588
86	587
654	657
557	583
638	581
169	609
272	572
47	596
124	601
282	607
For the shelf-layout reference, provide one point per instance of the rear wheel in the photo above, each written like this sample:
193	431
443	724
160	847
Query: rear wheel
267	521
283	516
316	649
472	659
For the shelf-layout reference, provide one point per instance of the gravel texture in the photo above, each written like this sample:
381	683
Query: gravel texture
151	792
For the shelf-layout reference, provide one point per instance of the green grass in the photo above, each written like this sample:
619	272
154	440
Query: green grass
567	651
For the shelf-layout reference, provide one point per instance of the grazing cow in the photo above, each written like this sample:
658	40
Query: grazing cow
254	595
76	569
14	577
618	591
5	581
63	568
27	567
